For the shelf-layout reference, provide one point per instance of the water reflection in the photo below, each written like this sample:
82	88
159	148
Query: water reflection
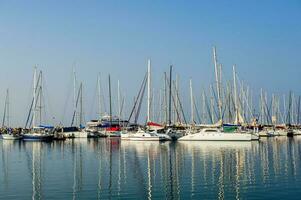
110	168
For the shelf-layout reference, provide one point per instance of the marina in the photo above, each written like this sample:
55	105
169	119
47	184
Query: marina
150	100
227	114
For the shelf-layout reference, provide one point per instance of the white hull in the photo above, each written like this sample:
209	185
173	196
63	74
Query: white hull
11	137
133	138
280	133
75	134
217	136
112	133
141	136
297	132
266	134
163	135
80	134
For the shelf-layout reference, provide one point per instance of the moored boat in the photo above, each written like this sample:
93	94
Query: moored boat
214	134
11	136
141	135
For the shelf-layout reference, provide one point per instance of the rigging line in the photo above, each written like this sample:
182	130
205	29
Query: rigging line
215	99
4	115
76	104
31	105
140	103
208	107
136	100
197	112
179	101
93	102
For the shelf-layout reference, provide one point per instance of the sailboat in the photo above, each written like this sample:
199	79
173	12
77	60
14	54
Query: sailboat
145	134
111	126
8	133
40	132
75	130
218	133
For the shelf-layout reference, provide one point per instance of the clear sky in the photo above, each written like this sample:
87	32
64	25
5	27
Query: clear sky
261	37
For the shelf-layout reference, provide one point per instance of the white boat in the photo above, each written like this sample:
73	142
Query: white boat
163	135
11	137
141	135
297	132
214	134
266	133
280	133
7	133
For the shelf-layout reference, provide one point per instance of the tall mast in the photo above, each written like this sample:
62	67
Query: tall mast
170	82
204	121
7	114
81	105
34	97
211	104
148	89
235	95
110	99
165	98
74	95
191	102
298	111
99	96
7	117
118	100
177	100
262	108
40	97
217	77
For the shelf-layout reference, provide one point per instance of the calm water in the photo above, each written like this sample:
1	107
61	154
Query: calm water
110	169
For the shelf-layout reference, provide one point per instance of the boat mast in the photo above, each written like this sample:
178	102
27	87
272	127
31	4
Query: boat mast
110	99
40	97
74	95
99	96
217	77
204	120
170	82
165	98
118	100
148	89
34	97
177	118
191	102
81	105
7	117
235	96
298	111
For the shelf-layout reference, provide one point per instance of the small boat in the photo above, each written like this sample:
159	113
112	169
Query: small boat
8	133
141	135
162	135
10	136
112	131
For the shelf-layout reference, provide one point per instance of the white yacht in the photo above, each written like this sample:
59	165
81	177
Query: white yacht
214	134
141	135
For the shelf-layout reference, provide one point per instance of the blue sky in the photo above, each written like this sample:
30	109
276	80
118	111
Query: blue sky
261	37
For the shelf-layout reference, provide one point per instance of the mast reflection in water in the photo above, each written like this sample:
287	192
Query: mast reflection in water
110	168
